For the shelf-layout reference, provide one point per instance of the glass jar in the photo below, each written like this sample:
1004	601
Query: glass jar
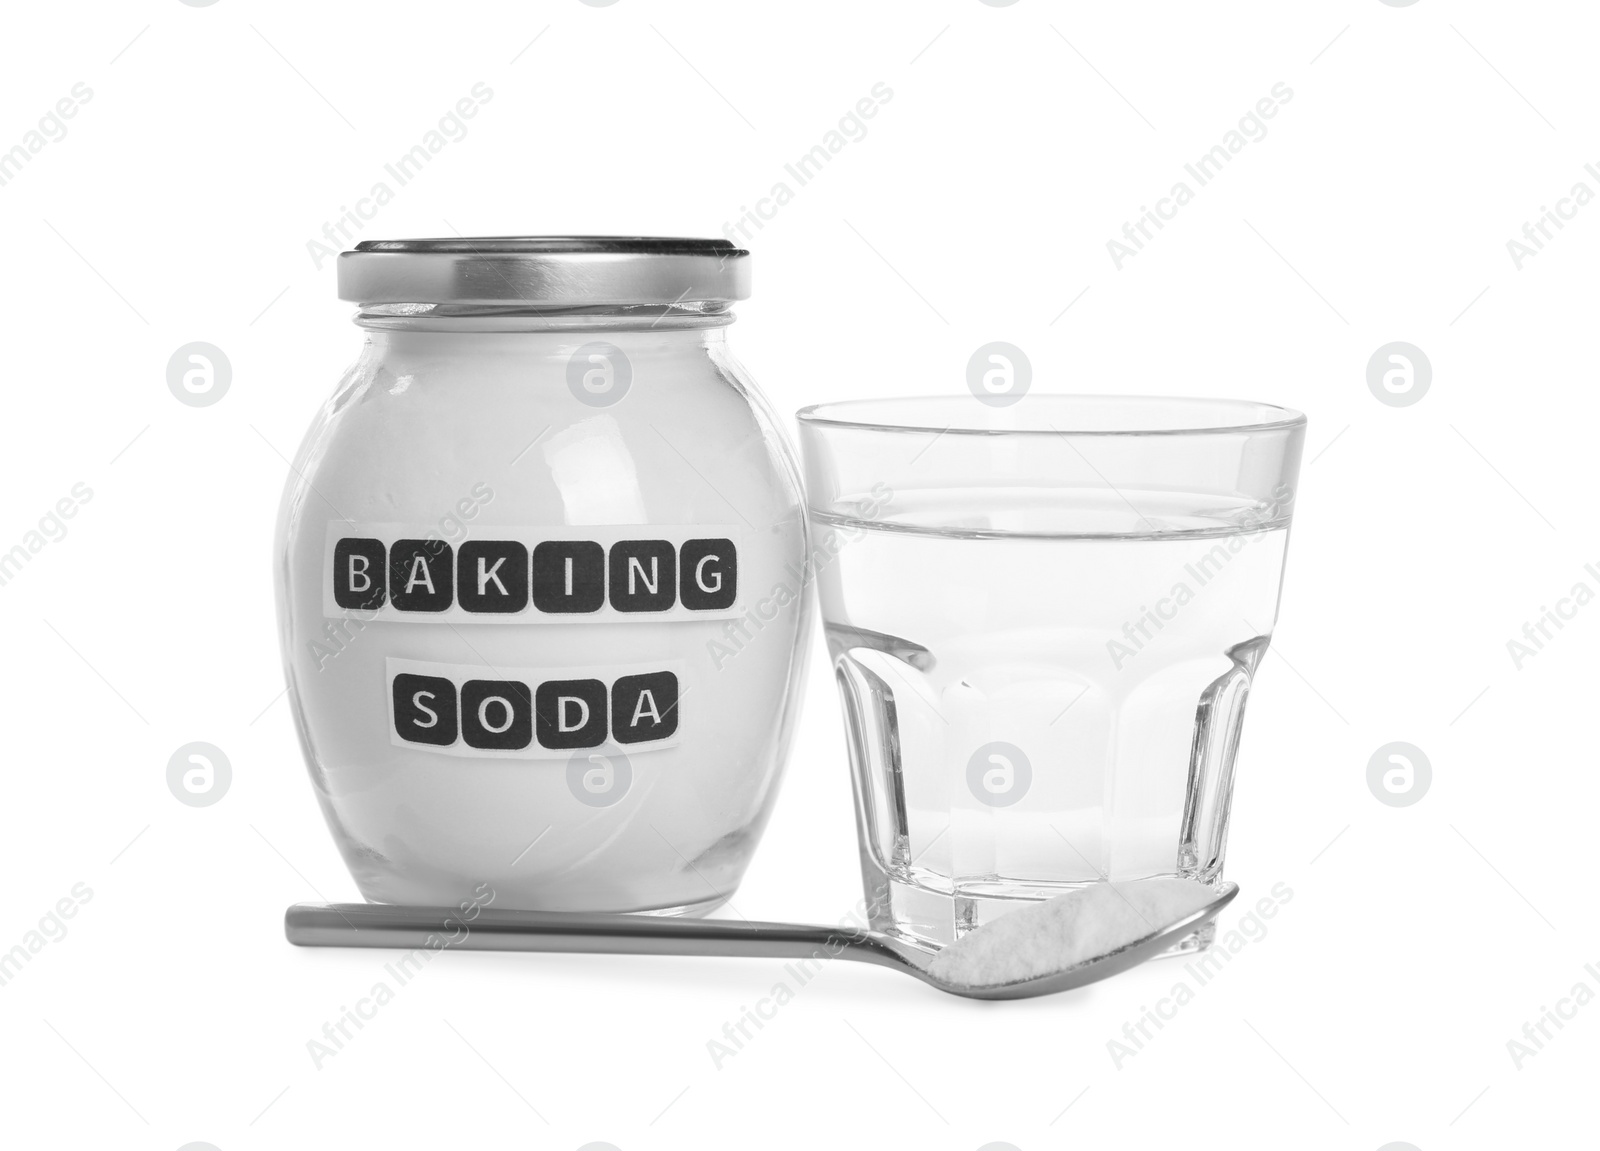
541	578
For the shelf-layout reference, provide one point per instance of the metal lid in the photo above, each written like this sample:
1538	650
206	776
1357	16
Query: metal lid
545	271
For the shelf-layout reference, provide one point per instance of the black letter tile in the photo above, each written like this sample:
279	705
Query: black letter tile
569	576
420	578
492	576
644	707
358	573
571	713
643	575
425	709
709	574
496	714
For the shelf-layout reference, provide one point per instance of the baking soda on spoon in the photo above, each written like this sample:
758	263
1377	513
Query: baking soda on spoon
1062	933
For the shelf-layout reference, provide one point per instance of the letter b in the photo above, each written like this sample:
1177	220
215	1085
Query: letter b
358	574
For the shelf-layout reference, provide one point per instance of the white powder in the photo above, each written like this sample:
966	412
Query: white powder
1063	932
432	434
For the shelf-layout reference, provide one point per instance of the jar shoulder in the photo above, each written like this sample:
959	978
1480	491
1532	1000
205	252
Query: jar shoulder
653	437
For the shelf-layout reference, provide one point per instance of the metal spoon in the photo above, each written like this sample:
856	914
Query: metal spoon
441	928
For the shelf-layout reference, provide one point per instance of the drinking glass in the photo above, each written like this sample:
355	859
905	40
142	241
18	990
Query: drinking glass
1044	619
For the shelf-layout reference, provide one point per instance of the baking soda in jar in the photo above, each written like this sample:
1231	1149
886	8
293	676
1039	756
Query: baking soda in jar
541	578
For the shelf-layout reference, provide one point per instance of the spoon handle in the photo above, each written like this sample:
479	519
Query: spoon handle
445	928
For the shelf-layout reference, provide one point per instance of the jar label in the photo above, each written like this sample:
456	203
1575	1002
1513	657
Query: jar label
531	713
532	575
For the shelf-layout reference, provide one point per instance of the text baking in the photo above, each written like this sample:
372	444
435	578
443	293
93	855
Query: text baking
560	577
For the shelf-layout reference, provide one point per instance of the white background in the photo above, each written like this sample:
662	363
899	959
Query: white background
1419	940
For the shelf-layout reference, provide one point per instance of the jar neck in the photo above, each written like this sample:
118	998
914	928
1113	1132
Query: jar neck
454	342
463	318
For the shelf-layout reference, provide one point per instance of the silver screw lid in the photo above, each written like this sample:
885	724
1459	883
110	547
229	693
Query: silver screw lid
545	271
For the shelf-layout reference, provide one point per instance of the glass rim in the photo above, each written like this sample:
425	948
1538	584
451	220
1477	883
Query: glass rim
836	414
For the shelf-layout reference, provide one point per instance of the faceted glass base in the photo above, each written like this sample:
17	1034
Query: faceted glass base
932	919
